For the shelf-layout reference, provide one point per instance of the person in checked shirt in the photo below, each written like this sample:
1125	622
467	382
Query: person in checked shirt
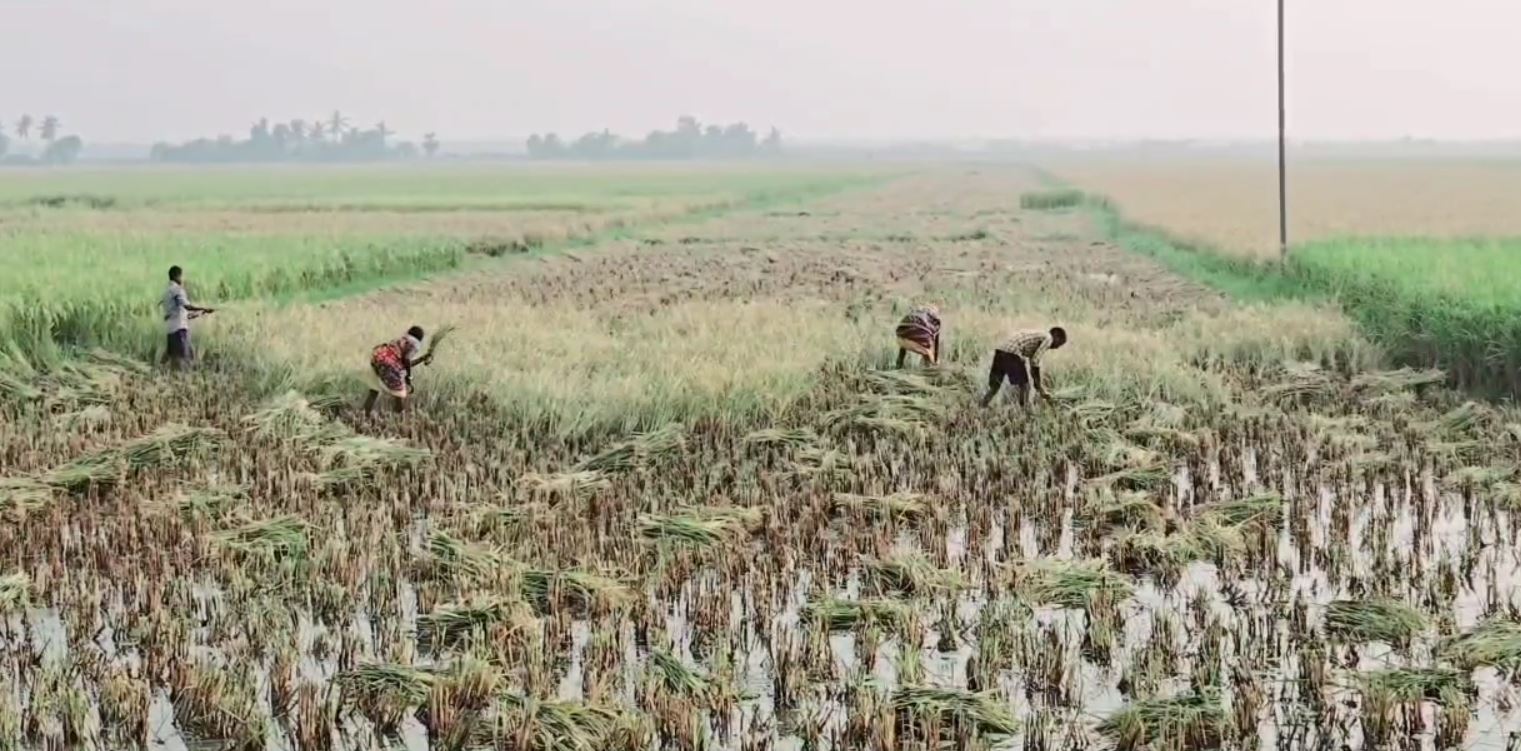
1018	361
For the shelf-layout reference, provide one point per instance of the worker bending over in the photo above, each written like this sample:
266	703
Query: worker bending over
1018	359
919	332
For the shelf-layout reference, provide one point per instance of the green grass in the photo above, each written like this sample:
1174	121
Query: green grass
90	248
1454	304
1245	280
90	289
1050	200
1449	304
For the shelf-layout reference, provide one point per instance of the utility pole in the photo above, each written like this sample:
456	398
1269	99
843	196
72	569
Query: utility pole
1283	186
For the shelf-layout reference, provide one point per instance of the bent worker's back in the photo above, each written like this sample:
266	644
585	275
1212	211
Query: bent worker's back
1031	345
1017	360
919	332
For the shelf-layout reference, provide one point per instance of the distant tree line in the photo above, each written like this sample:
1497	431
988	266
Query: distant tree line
690	140
330	139
59	148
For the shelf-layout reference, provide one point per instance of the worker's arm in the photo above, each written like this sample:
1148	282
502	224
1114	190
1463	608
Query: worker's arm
1040	387
184	300
937	345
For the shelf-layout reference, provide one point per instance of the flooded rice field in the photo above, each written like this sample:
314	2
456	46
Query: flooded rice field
1229	529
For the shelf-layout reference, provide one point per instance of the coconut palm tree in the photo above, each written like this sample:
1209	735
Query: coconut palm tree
337	123
298	130
382	131
319	131
430	144
50	126
24	127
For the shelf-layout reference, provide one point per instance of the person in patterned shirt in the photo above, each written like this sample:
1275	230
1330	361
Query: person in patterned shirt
1018	361
391	368
919	332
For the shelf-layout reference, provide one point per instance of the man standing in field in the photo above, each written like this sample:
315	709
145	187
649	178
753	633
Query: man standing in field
177	314
1018	361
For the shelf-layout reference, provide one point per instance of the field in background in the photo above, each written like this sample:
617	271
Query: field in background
1423	253
663	490
89	249
1231	204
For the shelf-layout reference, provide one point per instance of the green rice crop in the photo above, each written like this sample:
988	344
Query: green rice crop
983	713
1452	304
82	288
1190	721
536	725
836	615
912	574
455	622
1387	621
1264	510
582	589
1495	643
283	536
679	679
637	451
91	248
1047	200
698	527
1070	584
450	558
1453	688
904	506
564	483
384	694
1125	511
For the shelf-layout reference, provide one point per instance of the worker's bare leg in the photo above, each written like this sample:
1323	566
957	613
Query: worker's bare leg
369	401
902	354
401	404
1024	395
995	382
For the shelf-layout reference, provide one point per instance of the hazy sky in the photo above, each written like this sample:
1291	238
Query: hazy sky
148	69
